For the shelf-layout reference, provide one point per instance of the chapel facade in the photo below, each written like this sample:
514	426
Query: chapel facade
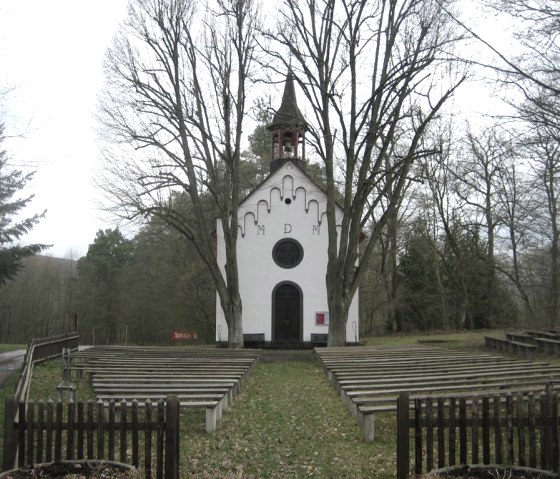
282	246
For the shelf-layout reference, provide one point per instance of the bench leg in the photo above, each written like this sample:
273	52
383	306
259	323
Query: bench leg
211	418
347	402
368	427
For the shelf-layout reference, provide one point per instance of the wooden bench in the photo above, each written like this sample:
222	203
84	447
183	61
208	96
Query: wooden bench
547	345
519	348
369	381
200	378
522	338
544	334
214	408
501	344
515	347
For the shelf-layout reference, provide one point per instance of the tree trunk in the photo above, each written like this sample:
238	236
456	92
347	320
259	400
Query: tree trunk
338	312
235	329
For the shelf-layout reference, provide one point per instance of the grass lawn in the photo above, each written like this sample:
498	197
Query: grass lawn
288	423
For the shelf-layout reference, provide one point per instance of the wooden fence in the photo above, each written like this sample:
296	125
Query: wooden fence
520	429
39	350
145	435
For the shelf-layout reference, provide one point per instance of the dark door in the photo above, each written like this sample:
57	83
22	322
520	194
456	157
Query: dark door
287	313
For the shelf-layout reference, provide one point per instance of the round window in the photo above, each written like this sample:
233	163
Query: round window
287	253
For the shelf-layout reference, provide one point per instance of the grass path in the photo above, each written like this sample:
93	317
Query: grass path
287	422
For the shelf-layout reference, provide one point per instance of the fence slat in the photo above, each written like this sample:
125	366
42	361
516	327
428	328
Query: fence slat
148	440
122	438
441	431
509	421
111	433
159	439
429	434
40	431
463	446
544	440
21	432
10	438
485	430
531	425
474	429
70	436
554	425
80	430
419	449
135	440
452	431
403	452
30	419
498	442
90	429
521	420
49	431
100	430
58	432
172	438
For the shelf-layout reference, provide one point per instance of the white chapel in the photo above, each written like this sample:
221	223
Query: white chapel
282	246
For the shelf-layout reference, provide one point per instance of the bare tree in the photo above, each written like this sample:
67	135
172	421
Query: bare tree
541	143
175	105
375	74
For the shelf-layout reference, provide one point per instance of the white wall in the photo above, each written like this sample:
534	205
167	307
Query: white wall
266	218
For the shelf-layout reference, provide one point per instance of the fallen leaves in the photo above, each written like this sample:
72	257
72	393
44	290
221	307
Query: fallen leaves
288	422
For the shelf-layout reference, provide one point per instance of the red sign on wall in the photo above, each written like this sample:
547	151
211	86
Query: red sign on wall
322	318
183	335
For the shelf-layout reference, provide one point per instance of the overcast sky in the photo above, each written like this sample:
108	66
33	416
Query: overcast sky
51	55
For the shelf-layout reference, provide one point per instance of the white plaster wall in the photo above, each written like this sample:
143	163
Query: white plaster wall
266	218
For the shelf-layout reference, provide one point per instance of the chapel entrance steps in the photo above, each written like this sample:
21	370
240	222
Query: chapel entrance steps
272	355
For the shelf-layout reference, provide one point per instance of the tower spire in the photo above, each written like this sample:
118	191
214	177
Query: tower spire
288	128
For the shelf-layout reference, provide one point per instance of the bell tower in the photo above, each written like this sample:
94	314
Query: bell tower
288	129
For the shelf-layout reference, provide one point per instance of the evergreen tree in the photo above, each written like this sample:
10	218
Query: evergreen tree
99	275
12	254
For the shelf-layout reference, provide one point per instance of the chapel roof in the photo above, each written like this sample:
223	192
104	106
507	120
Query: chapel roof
288	115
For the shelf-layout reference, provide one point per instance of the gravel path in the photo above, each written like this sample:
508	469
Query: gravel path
10	362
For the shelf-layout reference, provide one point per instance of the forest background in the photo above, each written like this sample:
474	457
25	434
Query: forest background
472	243
434	269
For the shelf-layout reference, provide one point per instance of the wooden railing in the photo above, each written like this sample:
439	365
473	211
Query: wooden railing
144	435
520	430
39	350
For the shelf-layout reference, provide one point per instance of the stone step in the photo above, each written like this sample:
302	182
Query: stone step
280	355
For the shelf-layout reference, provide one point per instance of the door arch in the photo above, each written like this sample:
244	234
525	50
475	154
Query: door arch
287	313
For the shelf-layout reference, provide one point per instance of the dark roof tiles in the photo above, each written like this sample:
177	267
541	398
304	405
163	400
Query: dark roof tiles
288	115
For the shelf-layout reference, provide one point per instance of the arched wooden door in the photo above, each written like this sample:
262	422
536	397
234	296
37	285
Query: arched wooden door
287	306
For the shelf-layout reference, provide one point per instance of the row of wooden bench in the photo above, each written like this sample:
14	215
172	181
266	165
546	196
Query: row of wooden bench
369	380
201	378
527	343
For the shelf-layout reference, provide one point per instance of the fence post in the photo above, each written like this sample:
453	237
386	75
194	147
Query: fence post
553	404
172	418
10	440
403	436
549	433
